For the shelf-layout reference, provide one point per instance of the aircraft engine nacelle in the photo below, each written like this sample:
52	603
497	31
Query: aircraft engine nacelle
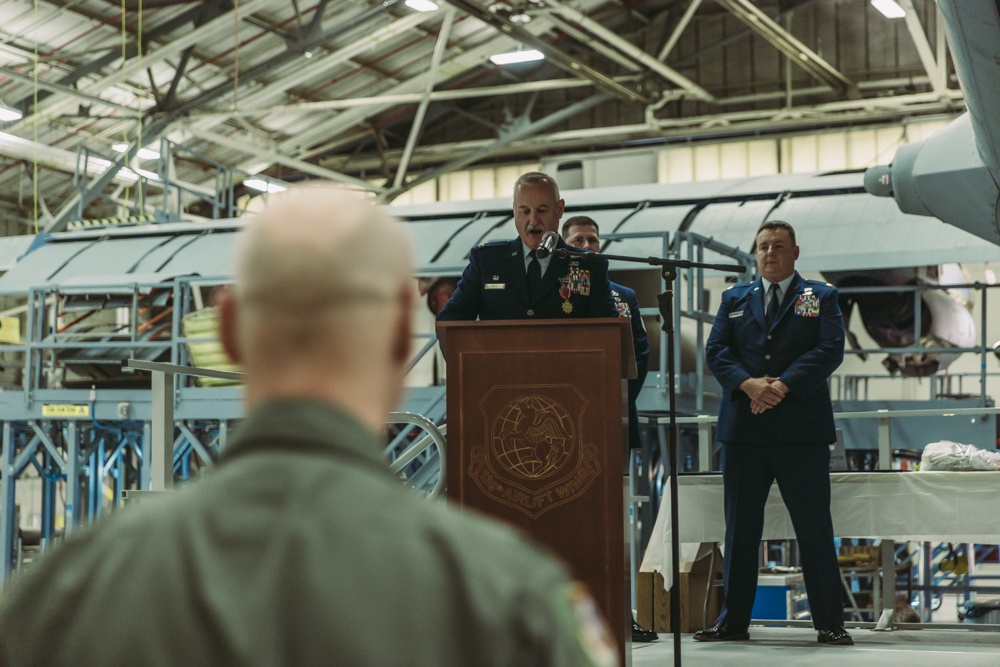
890	317
955	174
944	177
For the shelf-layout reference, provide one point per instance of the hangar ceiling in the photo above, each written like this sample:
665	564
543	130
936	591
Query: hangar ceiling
380	95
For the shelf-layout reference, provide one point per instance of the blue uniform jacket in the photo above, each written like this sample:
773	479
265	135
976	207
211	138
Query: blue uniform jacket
804	346
494	286
628	306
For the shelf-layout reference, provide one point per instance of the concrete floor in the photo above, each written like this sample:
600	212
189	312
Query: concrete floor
779	647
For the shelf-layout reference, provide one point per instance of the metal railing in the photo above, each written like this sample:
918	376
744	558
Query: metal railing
427	454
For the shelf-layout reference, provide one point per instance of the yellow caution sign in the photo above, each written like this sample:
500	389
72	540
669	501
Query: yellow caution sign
64	410
10	330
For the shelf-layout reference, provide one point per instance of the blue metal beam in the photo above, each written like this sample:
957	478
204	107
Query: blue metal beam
8	513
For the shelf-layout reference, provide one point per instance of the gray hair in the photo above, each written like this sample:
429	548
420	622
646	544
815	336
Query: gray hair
536	177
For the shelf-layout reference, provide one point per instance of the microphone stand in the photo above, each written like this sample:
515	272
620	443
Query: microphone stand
668	268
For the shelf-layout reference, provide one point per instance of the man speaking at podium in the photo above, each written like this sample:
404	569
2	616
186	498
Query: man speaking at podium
522	279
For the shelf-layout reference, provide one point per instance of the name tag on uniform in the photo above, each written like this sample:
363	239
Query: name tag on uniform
736	313
495	286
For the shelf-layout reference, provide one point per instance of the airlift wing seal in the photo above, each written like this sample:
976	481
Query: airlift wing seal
534	458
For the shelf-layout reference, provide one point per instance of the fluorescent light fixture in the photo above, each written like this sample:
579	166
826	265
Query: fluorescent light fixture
517	57
9	113
262	185
422	5
144	153
889	9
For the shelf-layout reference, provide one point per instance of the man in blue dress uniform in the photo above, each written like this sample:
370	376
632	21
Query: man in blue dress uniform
583	232
505	281
774	344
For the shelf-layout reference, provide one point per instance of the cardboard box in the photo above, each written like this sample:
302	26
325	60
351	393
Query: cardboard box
653	601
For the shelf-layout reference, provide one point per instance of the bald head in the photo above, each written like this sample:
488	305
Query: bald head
320	301
316	249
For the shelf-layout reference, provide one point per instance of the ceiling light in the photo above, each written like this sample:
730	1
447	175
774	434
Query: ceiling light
261	185
143	154
889	9
422	5
9	113
517	57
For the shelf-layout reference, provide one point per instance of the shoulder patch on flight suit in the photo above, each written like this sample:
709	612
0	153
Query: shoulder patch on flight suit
593	631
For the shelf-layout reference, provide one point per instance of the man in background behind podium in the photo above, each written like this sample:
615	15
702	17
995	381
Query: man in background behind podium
582	232
301	548
773	346
506	281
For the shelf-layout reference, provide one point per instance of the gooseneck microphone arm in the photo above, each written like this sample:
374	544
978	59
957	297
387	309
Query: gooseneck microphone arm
563	253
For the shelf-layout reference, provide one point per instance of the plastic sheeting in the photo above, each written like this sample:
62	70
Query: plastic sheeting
924	506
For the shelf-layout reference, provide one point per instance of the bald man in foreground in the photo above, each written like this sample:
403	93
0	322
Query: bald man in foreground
301	548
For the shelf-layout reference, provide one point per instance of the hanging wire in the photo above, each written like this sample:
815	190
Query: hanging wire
138	103
124	61
34	125
236	54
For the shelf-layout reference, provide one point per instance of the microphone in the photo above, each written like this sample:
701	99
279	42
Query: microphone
549	241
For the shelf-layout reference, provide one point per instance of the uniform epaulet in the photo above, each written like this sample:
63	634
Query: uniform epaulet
818	282
493	244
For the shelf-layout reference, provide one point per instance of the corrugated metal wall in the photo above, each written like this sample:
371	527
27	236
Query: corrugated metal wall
854	148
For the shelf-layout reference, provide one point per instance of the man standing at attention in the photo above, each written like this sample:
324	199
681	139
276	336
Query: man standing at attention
506	281
300	547
773	345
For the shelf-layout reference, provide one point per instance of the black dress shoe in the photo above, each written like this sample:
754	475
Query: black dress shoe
720	632
640	634
836	635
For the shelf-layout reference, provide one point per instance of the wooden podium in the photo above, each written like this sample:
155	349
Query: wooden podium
536	435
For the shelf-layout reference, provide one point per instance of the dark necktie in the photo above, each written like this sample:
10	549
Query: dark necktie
774	298
534	276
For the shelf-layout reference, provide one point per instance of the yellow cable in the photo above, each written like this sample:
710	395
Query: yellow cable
124	60
142	208
34	125
236	54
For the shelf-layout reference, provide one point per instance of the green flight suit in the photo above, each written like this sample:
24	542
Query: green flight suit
299	548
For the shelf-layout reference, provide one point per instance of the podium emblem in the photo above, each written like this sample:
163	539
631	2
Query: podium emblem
534	458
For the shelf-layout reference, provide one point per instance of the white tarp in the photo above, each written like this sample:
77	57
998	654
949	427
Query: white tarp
902	506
